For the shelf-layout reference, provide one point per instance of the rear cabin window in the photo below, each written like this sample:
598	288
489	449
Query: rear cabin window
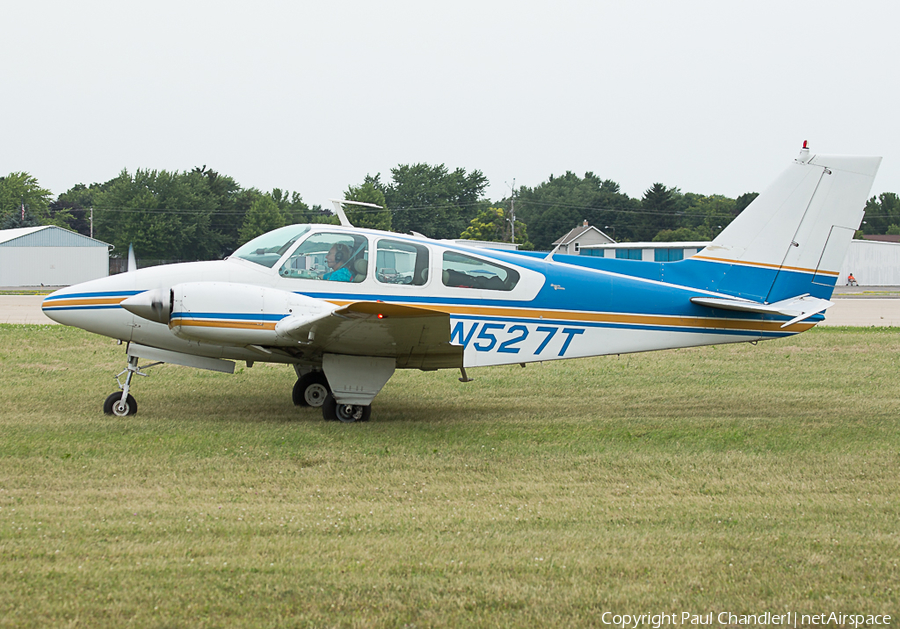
463	271
398	262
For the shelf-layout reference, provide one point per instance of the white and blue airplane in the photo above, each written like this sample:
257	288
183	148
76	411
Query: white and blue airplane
347	306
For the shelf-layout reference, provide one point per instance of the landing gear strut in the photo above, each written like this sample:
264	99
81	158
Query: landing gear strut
122	403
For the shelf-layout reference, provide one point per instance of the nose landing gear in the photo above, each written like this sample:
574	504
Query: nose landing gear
122	403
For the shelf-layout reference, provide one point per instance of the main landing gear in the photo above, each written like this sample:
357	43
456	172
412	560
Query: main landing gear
312	390
347	413
344	387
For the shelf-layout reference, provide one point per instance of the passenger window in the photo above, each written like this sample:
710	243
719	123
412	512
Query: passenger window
334	257
399	262
464	271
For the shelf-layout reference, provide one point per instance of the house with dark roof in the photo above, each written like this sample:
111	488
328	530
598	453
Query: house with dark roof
582	235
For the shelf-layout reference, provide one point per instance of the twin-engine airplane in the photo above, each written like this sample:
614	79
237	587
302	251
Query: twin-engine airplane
346	306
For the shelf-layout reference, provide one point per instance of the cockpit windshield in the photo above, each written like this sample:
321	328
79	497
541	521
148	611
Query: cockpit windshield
268	248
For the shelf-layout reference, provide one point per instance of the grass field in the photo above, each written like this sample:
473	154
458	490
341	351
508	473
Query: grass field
737	478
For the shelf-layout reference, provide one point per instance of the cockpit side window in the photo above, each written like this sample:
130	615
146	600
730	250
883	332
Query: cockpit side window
336	257
463	271
398	262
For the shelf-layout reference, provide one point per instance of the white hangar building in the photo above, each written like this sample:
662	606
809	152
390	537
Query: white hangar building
50	256
872	262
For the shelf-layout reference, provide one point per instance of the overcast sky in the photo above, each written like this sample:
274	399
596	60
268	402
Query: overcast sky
712	97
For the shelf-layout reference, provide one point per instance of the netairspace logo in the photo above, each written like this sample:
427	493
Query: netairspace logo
787	619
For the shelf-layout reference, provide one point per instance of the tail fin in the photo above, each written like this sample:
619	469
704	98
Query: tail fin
792	239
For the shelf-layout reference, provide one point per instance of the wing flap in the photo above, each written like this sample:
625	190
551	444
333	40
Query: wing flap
415	337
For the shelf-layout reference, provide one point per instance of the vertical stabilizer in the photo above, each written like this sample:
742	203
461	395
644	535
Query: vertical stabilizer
793	238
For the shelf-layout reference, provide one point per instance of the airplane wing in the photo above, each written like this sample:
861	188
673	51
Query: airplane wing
416	337
251	316
800	307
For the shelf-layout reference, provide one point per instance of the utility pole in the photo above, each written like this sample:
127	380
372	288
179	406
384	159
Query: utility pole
512	213
92	221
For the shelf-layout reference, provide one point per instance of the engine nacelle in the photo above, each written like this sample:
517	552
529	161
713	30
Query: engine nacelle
225	313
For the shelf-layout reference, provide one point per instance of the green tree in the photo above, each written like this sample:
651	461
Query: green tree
707	216
368	192
432	200
20	219
741	203
75	205
166	216
682	234
230	203
493	225
263	216
291	205
559	204
881	212
20	188
659	207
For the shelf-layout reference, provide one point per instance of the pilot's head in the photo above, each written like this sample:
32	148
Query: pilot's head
337	256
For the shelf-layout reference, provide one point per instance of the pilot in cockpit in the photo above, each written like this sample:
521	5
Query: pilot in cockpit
336	259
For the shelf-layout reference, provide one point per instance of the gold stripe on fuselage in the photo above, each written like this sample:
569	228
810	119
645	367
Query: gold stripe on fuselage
83	301
537	316
765	265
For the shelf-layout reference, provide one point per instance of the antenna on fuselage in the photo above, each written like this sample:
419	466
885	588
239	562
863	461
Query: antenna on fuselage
549	257
339	209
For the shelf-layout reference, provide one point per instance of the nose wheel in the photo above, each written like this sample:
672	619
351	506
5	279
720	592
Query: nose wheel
115	405
122	403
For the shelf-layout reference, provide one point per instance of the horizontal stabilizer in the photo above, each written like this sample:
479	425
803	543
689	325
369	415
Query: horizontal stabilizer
800	307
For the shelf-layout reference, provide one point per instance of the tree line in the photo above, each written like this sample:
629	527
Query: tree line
202	214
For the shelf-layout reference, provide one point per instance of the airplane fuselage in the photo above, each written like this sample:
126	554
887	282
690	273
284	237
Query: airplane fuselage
348	306
558	309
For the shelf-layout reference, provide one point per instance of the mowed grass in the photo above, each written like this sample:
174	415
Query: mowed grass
734	478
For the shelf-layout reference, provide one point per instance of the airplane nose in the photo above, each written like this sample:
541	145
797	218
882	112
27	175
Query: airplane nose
155	305
88	306
54	306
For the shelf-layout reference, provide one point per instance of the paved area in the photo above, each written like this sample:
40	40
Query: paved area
861	306
23	309
865	313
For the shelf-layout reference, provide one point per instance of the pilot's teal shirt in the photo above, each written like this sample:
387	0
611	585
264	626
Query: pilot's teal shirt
341	275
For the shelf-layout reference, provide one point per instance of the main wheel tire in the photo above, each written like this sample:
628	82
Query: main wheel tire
311	390
114	405
347	413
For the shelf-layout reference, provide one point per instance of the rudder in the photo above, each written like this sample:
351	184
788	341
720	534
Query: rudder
793	238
